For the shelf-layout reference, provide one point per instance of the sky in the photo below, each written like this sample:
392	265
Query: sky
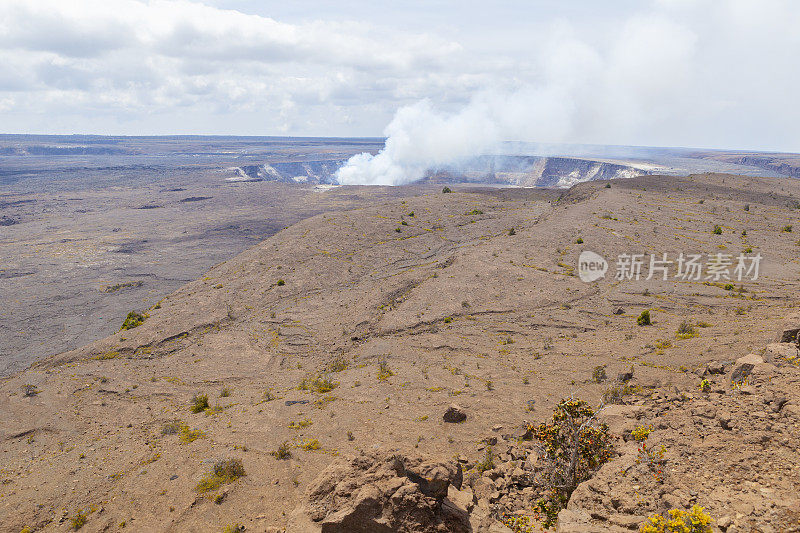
703	73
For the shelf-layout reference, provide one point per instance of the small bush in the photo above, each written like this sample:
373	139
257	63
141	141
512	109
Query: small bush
199	403
29	390
280	283
717	230
686	331
338	364
705	385
644	318
171	428
474	212
487	463
188	435
268	395
384	372
225	392
617	393
599	374
572	446
608	185
787	229
678	521
319	384
234	528
225	471
310	445
579	241
79	520
284	451
512	231
398	230
446	190
133	320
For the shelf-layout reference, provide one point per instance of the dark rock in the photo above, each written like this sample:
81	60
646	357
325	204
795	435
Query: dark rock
454	414
741	372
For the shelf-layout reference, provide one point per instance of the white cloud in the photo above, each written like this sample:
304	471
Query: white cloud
668	72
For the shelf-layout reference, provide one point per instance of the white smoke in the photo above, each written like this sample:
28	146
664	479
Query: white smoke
677	73
421	139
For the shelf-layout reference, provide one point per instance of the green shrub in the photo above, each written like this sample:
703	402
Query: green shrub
686	331
384	372
280	283
579	241
573	445
199	403
717	230
474	212
190	435
599	374
787	229
487	463
133	320
644	318
224	471
446	190
284	451
319	384
512	231
79	520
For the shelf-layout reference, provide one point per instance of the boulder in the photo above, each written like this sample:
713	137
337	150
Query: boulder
454	414
381	493
790	329
780	353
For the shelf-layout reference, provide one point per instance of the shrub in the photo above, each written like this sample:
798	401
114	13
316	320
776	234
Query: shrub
283	452
579	241
337	364
199	403
224	471
384	372
678	521
512	231
787	229
268	395
446	190
234	528
474	212
487	463
572	446
686	331
133	320
644	318
319	384
79	520
190	435
599	374
617	393
717	230
705	385
225	392
608	185
280	283
29	390
310	445
171	428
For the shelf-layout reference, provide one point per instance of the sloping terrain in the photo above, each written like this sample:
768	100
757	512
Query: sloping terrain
355	330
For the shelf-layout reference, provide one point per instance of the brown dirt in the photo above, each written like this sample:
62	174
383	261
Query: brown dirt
457	309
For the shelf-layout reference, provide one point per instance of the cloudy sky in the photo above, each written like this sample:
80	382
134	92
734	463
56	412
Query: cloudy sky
667	73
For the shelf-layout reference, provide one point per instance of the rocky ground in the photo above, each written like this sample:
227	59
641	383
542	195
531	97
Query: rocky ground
334	349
